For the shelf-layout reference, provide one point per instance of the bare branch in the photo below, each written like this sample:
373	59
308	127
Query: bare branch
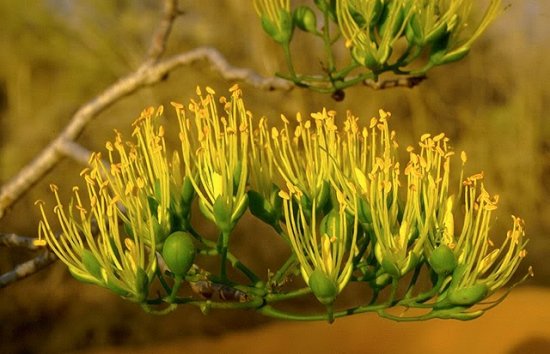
75	151
160	37
13	240
146	75
27	268
408	82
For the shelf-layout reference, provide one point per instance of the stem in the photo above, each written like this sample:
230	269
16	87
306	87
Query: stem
228	305
233	260
275	313
282	271
269	298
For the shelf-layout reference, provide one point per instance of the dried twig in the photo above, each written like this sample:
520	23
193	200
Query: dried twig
13	240
27	268
408	82
147	74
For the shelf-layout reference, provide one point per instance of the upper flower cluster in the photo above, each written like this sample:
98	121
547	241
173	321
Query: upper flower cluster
335	190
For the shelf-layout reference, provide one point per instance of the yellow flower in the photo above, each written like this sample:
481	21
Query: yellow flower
372	46
323	248
215	152
276	18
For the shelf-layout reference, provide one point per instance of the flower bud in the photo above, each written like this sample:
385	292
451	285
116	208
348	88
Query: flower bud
469	295
305	19
178	252
443	260
324	288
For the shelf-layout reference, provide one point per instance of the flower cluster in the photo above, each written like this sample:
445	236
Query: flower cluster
404	37
334	190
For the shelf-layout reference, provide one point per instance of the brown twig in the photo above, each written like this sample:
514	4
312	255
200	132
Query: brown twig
13	240
160	37
408	82
27	268
146	75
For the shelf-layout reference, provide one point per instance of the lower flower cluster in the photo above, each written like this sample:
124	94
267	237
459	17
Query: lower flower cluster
333	188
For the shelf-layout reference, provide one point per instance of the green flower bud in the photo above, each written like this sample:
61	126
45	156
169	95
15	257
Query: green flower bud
305	19
469	295
178	252
443	260
324	288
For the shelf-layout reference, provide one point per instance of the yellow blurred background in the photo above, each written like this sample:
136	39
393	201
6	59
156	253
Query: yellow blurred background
55	55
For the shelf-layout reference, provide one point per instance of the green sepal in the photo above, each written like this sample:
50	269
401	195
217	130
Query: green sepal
84	277
323	195
239	210
414	32
205	211
437	33
469	295
327	6
110	284
187	192
365	216
91	264
262	208
282	33
386	17
439	49
455	55
142	284
466	316
237	175
324	288
178	252
389	264
222	209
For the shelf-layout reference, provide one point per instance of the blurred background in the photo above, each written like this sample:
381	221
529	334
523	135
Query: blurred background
56	55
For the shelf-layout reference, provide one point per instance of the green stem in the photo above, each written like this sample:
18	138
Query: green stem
283	270
177	284
283	315
270	298
233	260
228	305
288	59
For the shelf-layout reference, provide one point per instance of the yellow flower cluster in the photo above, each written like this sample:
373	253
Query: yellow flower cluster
332	189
